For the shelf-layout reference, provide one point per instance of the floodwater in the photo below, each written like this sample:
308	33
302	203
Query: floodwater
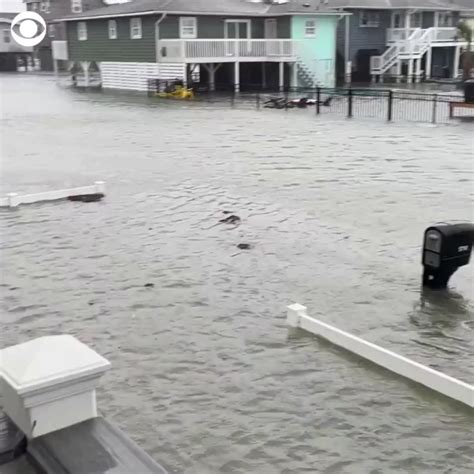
206	376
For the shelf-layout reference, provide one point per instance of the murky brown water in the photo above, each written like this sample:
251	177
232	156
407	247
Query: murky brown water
206	376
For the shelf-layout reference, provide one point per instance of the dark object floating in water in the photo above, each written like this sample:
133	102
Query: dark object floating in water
91	303
87	197
226	212
244	246
303	102
231	219
149	285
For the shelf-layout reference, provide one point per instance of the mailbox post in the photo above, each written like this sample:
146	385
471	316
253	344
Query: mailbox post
446	247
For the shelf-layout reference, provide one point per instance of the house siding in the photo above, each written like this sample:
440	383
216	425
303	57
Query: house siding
212	27
428	19
318	53
98	46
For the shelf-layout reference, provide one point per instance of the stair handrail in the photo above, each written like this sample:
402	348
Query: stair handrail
384	61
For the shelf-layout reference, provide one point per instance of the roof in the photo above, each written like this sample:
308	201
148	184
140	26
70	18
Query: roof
450	5
207	7
7	17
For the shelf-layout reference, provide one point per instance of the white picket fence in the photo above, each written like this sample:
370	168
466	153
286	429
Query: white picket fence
14	199
437	381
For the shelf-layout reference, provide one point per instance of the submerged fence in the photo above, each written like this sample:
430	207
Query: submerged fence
382	104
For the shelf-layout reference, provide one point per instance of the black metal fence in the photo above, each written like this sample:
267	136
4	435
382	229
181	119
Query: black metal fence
381	104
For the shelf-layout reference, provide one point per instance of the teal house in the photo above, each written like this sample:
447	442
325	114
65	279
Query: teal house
224	44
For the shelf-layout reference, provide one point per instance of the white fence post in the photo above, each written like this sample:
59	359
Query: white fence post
100	187
13	199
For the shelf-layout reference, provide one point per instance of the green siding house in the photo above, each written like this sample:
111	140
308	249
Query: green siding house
271	43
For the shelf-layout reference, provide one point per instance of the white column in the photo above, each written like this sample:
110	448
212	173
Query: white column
347	58
281	76
407	23
428	62
237	76
398	73
410	71
294	78
417	70
55	67
85	68
212	78
457	55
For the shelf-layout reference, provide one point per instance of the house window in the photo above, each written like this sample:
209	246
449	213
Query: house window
136	28
6	36
416	20
187	27
51	31
369	19
76	6
445	19
34	5
398	20
310	28
44	6
112	29
82	31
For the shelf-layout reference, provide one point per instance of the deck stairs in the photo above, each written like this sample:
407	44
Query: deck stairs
306	75
414	47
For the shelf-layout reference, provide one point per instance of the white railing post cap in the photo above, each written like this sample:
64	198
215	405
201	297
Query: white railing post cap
294	313
49	383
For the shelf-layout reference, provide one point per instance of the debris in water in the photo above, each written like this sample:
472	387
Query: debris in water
244	246
231	219
149	285
87	197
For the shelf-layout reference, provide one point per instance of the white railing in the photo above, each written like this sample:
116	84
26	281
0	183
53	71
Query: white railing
423	42
380	64
440	35
59	49
399	34
446	35
223	49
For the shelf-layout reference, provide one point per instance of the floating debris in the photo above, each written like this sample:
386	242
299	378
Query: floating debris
87	197
149	285
244	246
232	219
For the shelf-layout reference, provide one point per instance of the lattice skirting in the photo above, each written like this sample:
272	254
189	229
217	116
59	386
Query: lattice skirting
134	76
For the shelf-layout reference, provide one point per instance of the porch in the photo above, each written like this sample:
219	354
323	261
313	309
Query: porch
438	36
226	50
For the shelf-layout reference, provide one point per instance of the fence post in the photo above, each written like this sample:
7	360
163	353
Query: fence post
258	100
435	108
390	105
286	100
318	100
349	103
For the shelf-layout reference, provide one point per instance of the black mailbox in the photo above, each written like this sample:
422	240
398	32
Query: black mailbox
469	91
446	247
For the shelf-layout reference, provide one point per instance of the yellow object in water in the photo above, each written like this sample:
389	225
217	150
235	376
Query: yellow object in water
179	92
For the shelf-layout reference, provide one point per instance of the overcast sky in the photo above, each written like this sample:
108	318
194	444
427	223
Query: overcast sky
12	6
18	5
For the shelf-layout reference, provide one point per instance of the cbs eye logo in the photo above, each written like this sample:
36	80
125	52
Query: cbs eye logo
28	29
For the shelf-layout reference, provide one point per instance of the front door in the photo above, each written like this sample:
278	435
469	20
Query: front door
270	28
235	30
